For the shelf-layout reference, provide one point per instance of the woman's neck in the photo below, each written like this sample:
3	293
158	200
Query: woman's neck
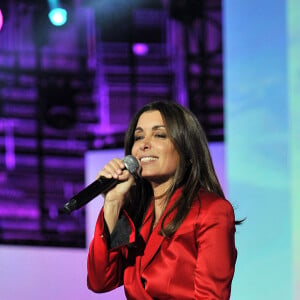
160	189
160	199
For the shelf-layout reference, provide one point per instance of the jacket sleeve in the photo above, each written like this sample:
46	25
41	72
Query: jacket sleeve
216	251
107	254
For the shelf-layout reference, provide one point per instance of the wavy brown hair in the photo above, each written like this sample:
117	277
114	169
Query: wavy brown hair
195	169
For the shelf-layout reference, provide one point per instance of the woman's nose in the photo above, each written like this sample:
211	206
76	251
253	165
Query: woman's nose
146	144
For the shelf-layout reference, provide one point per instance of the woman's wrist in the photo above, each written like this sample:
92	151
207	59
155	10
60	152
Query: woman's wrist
111	211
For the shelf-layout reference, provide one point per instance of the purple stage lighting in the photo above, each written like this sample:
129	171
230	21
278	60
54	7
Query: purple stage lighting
1	19
140	49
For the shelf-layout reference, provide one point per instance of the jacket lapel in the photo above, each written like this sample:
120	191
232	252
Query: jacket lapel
154	239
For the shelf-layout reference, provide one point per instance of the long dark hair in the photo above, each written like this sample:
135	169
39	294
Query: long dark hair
195	169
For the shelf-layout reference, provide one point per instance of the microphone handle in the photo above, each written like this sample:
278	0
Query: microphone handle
101	185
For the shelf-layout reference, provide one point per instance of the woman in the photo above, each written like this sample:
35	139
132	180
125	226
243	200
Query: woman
168	234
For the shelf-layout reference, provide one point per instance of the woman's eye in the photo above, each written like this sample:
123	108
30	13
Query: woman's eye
138	137
161	135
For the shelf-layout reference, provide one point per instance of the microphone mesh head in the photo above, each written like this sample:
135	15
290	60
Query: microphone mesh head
131	164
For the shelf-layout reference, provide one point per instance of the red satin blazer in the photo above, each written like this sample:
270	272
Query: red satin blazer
197	262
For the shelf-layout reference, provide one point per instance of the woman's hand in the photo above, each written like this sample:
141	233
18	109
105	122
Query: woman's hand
114	198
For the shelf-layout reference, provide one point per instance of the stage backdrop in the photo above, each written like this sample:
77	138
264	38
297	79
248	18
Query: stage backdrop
262	104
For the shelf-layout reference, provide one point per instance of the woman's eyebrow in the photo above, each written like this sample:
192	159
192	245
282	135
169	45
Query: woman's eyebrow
156	127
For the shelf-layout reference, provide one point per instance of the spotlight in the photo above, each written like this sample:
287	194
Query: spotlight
57	13
140	49
58	16
1	19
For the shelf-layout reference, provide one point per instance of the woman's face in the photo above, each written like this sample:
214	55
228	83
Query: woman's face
154	149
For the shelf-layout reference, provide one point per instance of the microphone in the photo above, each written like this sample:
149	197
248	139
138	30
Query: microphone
99	186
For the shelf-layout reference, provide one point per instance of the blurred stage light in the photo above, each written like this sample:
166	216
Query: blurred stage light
140	49
58	16
1	19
